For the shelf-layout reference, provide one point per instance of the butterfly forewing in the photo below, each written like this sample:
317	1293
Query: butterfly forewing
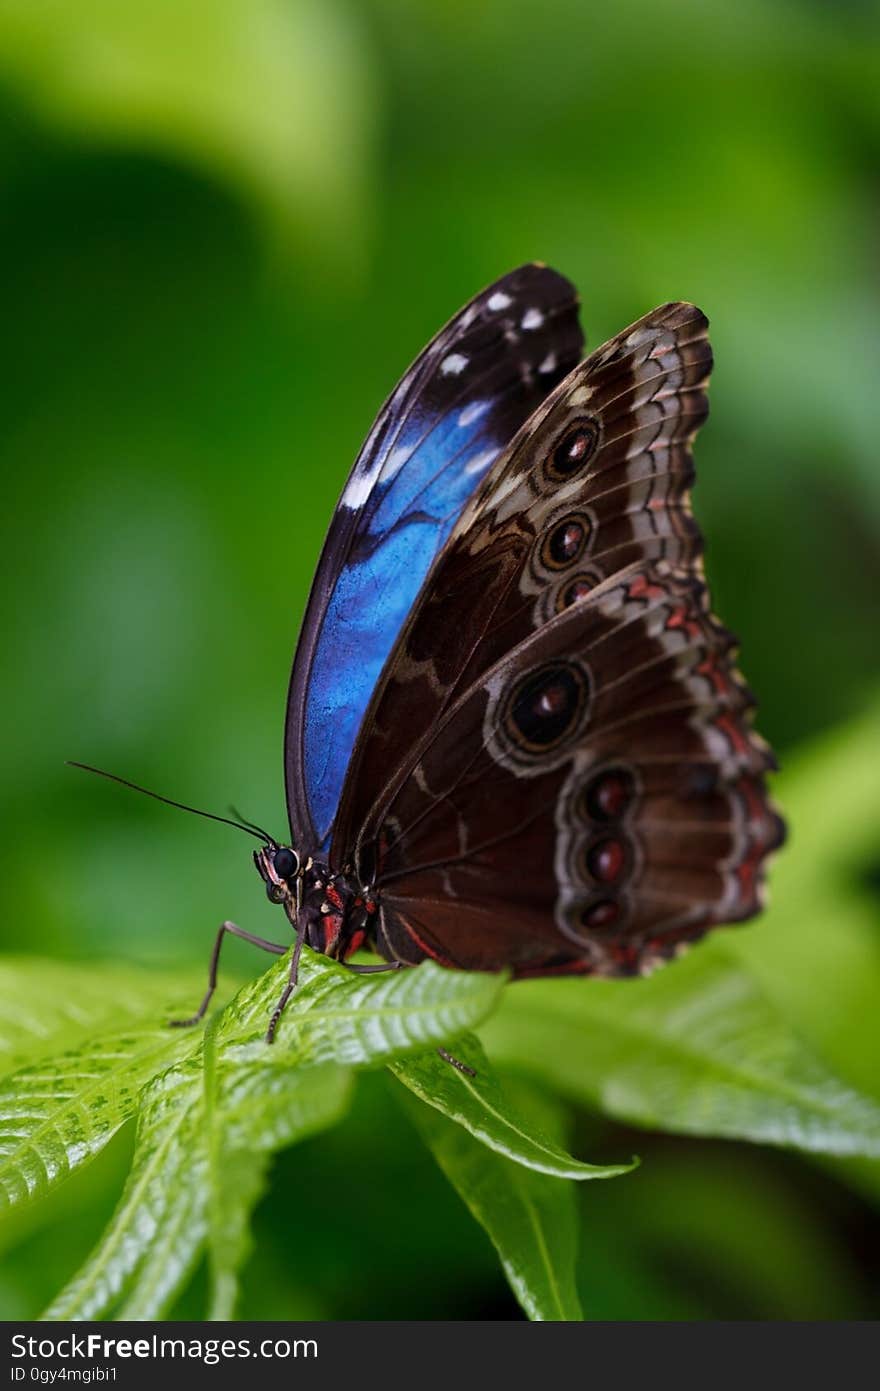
432	443
558	770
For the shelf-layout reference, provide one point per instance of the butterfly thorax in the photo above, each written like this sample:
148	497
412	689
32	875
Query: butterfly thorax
339	915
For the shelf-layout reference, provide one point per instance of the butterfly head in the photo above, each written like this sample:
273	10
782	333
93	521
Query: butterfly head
337	914
280	867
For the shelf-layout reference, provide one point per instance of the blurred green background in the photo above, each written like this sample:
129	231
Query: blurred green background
227	228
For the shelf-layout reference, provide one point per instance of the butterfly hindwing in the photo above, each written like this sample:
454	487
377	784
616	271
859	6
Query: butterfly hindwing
557	770
595	800
460	403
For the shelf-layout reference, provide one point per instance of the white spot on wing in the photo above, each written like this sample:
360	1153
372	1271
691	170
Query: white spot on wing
399	455
480	462
580	395
472	413
549	363
532	318
359	487
453	364
361	484
638	337
499	300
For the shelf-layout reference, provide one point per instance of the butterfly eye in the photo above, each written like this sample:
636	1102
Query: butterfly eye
286	862
576	448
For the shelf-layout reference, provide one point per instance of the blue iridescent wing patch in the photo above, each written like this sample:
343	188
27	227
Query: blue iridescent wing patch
434	440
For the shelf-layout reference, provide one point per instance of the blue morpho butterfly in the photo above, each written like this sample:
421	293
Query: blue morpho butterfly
516	737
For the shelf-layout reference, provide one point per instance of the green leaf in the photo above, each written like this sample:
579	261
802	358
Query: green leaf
58	1114
157	1231
530	1218
48	1006
359	1020
480	1106
55	1115
704	1216
192	1180
814	952
90	1037
696	1049
251	1113
208	1125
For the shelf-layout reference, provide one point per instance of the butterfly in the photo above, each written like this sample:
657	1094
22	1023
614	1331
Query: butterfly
516	736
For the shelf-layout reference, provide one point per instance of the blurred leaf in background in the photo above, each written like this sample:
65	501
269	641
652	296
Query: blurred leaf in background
275	98
227	228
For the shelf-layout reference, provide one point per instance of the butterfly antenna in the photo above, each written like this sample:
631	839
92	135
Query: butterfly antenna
251	825
181	806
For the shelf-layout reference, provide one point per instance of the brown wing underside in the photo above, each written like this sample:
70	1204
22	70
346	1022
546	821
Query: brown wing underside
558	770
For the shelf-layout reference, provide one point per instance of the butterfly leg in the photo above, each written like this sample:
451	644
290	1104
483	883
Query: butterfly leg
291	981
456	1063
235	931
373	970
